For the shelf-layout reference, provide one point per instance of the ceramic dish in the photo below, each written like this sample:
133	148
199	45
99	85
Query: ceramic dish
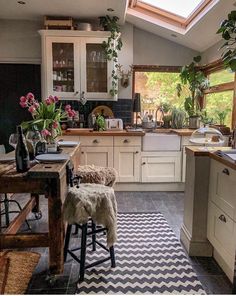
52	157
67	143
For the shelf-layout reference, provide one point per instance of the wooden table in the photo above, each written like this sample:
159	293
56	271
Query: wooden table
42	179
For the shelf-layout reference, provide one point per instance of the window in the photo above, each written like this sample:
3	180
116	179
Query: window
156	88
219	97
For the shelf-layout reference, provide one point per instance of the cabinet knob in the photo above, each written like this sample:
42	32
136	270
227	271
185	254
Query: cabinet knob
82	152
143	163
222	218
136	152
95	141
76	93
126	141
225	171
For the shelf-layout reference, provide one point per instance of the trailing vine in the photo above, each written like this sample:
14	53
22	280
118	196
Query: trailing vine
112	46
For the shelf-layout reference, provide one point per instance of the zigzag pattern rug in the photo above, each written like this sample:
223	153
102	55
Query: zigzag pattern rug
149	259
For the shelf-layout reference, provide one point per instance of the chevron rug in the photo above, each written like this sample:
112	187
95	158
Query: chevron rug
149	258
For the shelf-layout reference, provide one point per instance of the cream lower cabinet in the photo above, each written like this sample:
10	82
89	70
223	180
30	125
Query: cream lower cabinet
221	226
161	167
98	156
127	163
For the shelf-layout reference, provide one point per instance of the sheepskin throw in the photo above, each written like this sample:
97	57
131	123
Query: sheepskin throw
96	201
99	175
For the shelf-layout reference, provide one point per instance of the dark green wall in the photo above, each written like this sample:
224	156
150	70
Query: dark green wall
16	80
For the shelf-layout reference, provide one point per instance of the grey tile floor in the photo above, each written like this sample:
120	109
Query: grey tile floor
170	204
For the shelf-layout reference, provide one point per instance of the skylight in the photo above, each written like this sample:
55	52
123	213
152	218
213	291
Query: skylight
183	8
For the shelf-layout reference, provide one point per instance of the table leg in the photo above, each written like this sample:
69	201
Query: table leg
56	227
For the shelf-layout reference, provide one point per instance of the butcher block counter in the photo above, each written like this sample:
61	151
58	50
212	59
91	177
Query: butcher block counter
91	132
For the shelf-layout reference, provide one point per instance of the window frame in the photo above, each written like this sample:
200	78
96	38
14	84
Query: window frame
167	16
227	86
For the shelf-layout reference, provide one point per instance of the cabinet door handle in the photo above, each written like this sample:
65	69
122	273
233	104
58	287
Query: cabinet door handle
136	152
143	163
82	152
225	171
95	141
126	141
222	218
76	93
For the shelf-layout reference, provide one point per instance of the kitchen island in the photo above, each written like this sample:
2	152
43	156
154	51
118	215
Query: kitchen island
209	226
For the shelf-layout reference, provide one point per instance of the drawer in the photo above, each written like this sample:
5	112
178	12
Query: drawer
96	141
221	232
222	188
127	141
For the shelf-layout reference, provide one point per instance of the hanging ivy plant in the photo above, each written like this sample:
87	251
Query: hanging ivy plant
112	46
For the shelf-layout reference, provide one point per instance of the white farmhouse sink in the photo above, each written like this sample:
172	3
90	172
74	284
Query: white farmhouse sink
161	142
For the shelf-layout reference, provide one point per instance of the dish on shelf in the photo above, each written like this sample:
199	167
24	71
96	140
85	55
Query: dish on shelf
103	110
63	143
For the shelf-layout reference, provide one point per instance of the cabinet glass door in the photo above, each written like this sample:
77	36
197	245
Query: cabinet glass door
96	69
63	67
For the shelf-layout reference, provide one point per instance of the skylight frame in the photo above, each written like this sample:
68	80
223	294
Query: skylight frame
168	16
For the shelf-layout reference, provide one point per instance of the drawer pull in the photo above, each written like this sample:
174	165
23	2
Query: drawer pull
225	171
137	152
82	152
143	163
222	218
95	141
126	141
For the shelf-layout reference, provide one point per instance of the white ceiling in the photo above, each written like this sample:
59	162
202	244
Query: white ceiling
81	9
199	37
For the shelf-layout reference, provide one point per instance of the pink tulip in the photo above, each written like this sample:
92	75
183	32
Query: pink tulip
71	113
55	124
45	133
36	105
23	99
30	96
56	99
68	108
51	98
48	101
23	104
32	109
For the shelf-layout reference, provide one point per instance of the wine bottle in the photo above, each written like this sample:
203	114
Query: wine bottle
22	154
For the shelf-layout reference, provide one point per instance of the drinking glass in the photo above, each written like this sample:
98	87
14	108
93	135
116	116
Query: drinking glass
33	137
13	140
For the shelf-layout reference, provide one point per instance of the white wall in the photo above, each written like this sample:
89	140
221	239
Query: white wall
150	49
212	54
20	41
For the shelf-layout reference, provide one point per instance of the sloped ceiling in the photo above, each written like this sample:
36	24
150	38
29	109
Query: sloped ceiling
199	36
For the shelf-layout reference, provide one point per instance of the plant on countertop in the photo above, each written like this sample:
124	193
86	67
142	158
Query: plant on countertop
100	124
178	118
112	46
205	118
228	32
221	115
46	116
196	82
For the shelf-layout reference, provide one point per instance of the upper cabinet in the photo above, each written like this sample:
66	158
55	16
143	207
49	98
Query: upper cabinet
74	65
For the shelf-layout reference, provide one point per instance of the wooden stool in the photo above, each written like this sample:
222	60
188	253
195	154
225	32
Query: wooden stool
84	245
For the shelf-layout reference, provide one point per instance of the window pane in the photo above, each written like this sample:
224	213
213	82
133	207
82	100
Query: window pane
157	87
220	77
219	102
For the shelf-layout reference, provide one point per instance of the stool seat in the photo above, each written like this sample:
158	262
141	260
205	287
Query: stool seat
84	207
98	175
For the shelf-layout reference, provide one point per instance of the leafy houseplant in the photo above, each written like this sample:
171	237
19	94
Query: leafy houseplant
221	115
112	46
178	118
196	82
228	32
46	116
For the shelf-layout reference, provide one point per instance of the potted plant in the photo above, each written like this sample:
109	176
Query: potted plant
166	109
46	116
196	82
221	116
178	118
228	32
112	46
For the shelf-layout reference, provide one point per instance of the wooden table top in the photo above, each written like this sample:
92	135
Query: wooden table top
38	170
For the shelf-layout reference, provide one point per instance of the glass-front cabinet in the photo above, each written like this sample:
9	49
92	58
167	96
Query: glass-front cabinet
75	67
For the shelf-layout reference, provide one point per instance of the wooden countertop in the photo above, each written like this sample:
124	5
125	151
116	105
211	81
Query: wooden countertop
196	151
90	132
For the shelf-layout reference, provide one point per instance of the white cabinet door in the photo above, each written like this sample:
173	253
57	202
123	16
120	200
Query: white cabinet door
127	163
99	156
164	168
96	70
61	67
